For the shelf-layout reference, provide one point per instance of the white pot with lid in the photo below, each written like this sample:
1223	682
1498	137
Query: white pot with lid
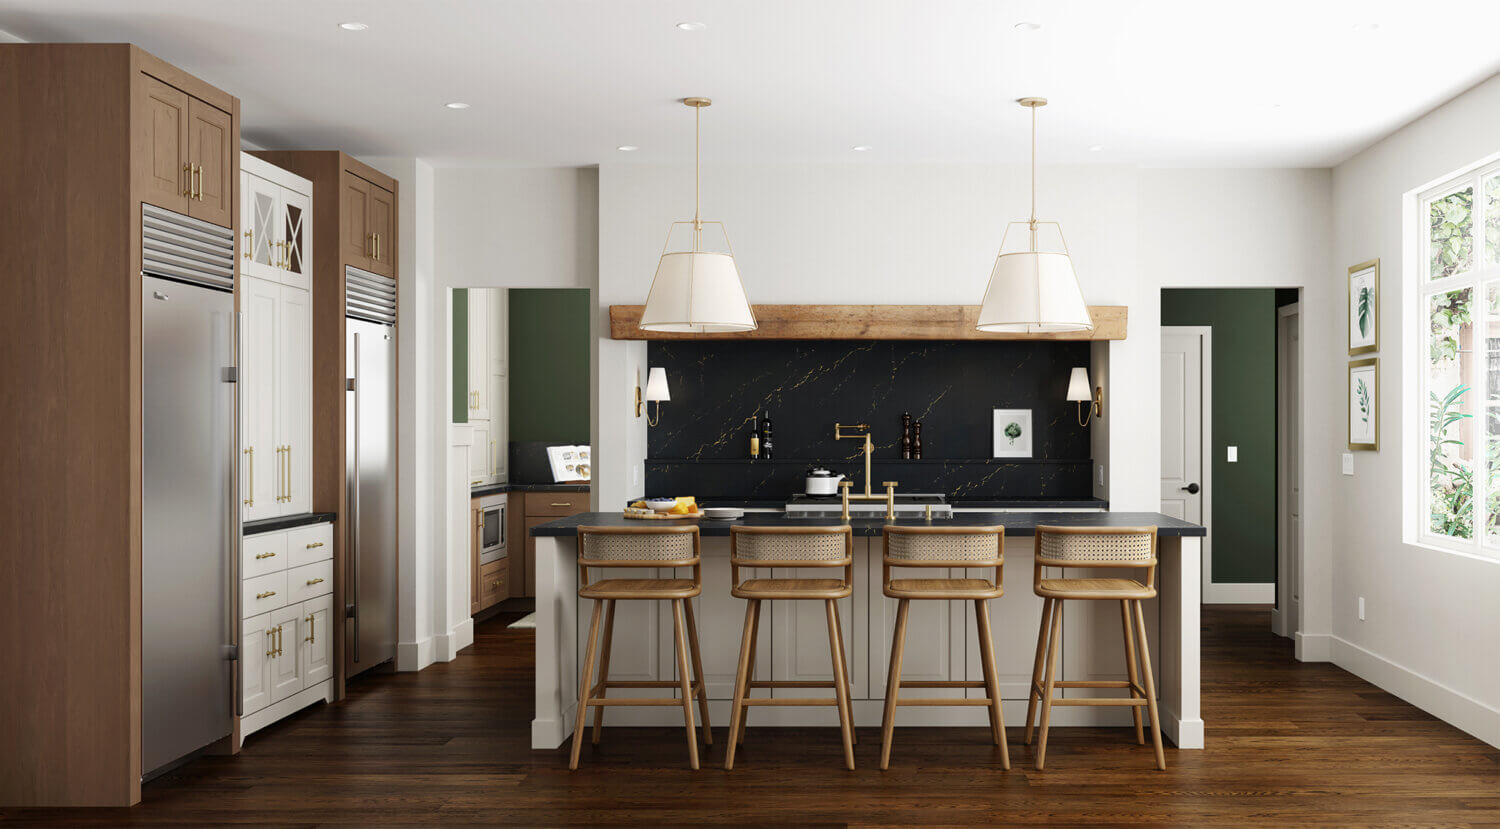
822	482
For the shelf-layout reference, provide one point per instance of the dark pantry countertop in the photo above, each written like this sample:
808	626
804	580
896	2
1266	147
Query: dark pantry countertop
287	522
1019	524
496	489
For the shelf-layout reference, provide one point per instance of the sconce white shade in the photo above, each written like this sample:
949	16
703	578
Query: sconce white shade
1033	292
656	386
1078	386
697	292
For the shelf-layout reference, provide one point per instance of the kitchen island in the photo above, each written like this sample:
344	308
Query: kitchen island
942	644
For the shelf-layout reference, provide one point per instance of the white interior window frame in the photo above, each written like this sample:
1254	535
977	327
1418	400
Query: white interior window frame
1420	288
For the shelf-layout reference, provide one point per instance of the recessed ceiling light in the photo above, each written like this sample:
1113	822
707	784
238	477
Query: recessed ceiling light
1364	28
1027	26
1096	148
862	148
456	105
353	27
627	148
692	26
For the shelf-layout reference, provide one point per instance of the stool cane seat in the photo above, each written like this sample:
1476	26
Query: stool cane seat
1094	589
792	589
943	589
641	589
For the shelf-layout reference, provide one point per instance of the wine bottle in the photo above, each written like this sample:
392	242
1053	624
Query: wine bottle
755	438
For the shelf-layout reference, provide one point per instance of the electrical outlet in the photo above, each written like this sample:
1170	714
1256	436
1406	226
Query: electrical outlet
1361	608
1234	454
1101	474
1348	463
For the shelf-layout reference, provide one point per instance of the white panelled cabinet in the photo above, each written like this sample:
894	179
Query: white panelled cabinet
286	642
488	401
276	341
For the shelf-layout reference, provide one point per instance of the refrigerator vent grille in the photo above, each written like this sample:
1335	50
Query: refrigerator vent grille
186	249
369	296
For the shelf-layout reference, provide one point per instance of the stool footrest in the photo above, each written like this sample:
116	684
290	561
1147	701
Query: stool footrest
939	701
609	702
791	701
791	683
1038	687
642	683
1100	701
942	683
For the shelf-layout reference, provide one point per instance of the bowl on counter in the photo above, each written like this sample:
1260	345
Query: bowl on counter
661	504
723	513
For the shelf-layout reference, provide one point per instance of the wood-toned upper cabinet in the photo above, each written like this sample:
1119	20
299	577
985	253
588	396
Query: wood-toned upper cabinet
354	219
210	157
162	147
383	231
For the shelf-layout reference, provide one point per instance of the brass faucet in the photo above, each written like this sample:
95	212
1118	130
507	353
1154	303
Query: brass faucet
844	486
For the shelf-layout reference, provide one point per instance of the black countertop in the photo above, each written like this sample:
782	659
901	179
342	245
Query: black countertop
287	522
1016	523
959	503
496	489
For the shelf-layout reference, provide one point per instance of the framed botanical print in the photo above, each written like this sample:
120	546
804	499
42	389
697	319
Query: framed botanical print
1364	404
1012	433
1364	307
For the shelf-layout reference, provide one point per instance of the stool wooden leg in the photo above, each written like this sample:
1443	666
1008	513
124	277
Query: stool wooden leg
840	689
702	694
741	684
749	678
893	685
685	672
1032	695
1130	668
838	627
992	681
1140	630
583	685
1054	645
609	638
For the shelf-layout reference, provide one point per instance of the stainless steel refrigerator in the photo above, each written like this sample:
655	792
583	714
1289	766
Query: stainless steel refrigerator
370	474
189	519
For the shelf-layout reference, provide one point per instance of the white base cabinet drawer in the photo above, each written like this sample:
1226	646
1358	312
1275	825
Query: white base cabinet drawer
311	580
262	594
262	554
308	544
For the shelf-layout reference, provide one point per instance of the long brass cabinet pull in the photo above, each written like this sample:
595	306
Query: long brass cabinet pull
370	239
271	637
187	170
311	582
200	182
249	243
264	555
266	595
377	247
250	501
279	650
314	545
312	628
563	504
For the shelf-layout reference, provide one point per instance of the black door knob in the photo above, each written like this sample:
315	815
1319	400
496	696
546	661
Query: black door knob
1191	489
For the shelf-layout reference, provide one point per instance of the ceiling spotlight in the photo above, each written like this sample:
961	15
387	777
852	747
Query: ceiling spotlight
353	27
456	105
1365	28
692	26
627	148
1096	148
1027	26
862	148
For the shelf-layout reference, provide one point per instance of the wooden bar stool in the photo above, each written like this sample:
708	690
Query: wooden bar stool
645	546
1095	548
831	547
945	547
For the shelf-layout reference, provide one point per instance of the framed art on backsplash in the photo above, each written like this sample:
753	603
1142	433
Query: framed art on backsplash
1013	433
1364	307
1364	404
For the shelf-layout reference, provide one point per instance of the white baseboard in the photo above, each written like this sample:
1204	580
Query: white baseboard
1237	593
445	646
414	656
1313	647
1453	707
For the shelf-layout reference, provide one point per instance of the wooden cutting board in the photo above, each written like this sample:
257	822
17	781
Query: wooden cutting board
663	516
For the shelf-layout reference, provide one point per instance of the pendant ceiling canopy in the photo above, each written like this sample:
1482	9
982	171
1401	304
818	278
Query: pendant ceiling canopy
1031	290
697	291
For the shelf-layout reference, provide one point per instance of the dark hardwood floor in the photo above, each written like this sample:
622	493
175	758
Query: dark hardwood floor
1288	743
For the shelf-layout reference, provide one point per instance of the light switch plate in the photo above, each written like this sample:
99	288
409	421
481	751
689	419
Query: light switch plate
1234	454
1348	463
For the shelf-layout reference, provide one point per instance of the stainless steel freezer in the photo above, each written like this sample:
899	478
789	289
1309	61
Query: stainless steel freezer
370	546
189	522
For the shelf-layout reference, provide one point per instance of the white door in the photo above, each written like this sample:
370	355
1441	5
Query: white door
257	646
479	354
1285	619
479	452
296	235
260	214
1184	393
259	458
294	397
286	625
315	646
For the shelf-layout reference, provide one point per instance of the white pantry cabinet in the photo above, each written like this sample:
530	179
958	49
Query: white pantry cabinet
275	400
276	214
488	401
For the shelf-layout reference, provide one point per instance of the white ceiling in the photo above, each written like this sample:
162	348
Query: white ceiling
563	82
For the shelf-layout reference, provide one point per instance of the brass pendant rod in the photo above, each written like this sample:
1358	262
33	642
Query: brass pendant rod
1033	180
697	174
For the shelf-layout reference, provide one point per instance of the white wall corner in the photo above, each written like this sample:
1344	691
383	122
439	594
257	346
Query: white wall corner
414	656
445	647
1312	647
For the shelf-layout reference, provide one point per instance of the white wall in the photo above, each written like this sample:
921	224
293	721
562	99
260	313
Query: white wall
1432	628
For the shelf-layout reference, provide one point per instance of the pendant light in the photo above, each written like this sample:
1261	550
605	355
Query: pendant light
1033	291
697	291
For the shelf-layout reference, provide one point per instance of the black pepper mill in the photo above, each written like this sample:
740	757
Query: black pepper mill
916	444
906	436
767	447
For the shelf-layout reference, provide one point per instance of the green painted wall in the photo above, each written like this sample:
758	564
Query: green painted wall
460	355
549	364
1244	415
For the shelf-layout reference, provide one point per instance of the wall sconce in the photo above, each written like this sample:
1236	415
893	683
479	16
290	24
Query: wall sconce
1078	390
656	392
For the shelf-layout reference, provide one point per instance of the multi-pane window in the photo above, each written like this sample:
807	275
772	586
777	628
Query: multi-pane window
1459	298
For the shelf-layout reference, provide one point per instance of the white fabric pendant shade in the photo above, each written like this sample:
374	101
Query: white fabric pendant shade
1032	292
697	292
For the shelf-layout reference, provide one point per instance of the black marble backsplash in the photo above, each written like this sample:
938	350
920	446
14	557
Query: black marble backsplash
701	444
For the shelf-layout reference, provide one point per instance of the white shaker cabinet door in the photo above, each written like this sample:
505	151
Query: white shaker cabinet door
479	353
294	398
316	642
257	646
479	452
286	626
259	461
